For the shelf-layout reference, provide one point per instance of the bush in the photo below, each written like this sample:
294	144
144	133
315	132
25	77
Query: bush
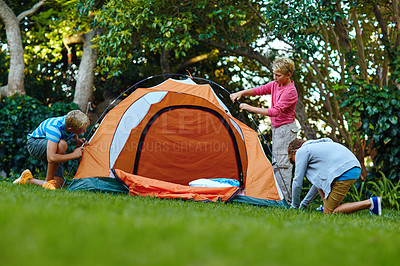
387	190
377	110
20	115
358	192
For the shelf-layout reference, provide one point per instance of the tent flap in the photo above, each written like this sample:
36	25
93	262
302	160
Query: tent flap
148	187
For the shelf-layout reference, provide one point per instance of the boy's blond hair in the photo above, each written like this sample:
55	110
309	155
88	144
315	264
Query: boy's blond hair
76	119
283	65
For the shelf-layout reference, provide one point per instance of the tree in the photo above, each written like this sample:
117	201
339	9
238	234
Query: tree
334	43
340	42
50	71
70	37
16	73
133	38
173	28
45	49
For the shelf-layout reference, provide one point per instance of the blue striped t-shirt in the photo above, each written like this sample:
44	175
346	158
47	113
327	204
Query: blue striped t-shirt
52	129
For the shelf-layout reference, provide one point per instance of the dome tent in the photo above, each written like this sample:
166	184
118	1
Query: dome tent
159	139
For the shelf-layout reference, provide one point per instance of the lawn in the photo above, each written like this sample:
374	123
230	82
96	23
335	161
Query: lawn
41	227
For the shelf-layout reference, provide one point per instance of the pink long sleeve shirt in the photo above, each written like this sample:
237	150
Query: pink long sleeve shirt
283	102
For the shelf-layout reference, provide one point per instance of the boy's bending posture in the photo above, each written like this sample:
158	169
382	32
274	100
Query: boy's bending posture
48	142
282	112
332	169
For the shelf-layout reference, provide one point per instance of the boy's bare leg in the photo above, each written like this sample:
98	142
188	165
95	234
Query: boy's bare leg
51	171
353	206
52	167
322	194
350	207
347	207
40	182
59	181
36	181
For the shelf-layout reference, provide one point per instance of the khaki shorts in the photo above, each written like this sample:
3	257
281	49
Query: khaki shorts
338	192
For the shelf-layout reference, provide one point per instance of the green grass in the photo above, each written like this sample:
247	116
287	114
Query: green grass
41	227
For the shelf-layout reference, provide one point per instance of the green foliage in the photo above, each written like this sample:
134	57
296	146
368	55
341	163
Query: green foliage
20	115
387	190
378	110
45	54
295	22
358	192
46	30
136	33
137	27
4	65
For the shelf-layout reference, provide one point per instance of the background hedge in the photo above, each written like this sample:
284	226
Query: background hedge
20	115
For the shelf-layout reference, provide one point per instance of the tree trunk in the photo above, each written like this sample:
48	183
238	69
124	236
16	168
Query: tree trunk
301	116
196	59
164	61
85	79
17	65
360	46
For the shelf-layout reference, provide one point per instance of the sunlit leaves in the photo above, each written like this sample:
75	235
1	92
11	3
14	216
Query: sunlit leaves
46	30
175	26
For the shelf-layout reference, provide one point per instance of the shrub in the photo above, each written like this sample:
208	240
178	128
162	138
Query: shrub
377	111
20	115
383	187
358	192
387	190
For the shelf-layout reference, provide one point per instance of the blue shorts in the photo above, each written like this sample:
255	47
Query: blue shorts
37	148
353	173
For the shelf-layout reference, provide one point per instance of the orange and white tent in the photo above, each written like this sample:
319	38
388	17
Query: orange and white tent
159	139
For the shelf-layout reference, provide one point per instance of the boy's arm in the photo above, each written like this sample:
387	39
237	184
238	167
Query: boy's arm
80	141
296	190
54	157
301	164
309	197
237	95
77	141
258	110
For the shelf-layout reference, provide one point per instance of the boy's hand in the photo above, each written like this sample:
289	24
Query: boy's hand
78	152
235	96
80	142
245	106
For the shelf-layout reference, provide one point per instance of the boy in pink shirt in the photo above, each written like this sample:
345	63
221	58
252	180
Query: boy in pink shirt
282	113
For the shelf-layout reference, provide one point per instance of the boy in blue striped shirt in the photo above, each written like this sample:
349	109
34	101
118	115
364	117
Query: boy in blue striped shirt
48	142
